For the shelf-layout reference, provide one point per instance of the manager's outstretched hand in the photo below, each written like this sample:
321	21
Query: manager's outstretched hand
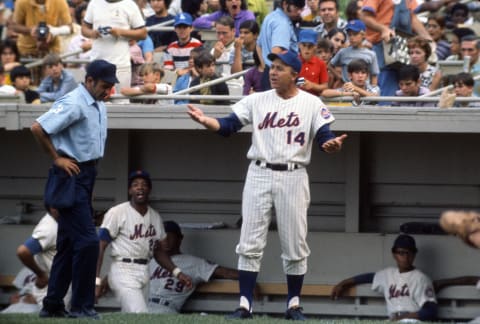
197	115
335	144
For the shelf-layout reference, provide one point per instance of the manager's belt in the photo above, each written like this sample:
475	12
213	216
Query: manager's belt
137	261
159	301
276	167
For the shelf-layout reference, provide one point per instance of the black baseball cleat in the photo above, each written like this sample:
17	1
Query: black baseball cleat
295	314
240	313
86	313
61	313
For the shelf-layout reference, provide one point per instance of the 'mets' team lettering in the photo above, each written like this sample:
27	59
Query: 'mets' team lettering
137	232
270	121
395	293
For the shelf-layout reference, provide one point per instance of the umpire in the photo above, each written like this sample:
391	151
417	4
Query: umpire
73	133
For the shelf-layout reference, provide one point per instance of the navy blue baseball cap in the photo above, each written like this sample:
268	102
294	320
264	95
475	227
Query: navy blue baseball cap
307	36
172	227
102	70
139	174
183	19
355	25
290	58
404	241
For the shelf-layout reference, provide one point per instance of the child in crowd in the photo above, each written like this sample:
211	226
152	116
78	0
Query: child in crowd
312	18
356	34
253	78
21	80
245	45
358	87
205	66
178	52
463	87
151	74
5	89
325	53
410	86
184	81
314	70
57	81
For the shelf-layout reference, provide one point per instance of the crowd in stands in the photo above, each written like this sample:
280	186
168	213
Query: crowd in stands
388	39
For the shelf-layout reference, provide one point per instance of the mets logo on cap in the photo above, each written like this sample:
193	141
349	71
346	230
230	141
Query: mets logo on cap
325	112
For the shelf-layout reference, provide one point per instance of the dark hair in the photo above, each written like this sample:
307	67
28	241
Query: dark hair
78	12
223	5
192	7
408	72
326	44
469	38
357	65
464	78
335	31
19	71
459	6
421	43
226	21
11	44
204	58
198	50
441	21
251	25
167	3
351	11
462	32
334	1
256	58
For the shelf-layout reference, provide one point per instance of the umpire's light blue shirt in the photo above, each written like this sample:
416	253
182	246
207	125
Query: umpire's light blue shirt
77	125
277	31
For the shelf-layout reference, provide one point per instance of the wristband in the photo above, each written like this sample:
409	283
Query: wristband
176	272
98	281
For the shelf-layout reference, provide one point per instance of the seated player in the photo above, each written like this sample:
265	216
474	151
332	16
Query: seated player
408	292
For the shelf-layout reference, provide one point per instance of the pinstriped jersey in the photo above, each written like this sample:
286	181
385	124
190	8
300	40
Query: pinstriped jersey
133	235
282	129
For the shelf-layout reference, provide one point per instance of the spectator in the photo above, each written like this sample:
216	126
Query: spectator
338	37
80	42
356	34
5	89
414	299
325	53
313	18
377	16
459	16
9	57
151	74
136	60
245	46
196	8
278	33
455	37
358	87
178	52
314	70
205	66
57	81
410	86
183	81
463	87
21	80
164	300
259	9
111	32
39	26
419	50
436	29
470	46
225	45
330	18
160	39
253	78
235	9
353	9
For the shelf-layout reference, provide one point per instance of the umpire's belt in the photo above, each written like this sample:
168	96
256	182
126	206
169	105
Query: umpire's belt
137	261
277	167
85	163
160	301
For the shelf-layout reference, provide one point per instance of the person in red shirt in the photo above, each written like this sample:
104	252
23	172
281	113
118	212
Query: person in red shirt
314	70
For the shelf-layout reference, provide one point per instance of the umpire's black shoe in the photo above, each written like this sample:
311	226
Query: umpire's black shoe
295	313
86	313
58	313
240	313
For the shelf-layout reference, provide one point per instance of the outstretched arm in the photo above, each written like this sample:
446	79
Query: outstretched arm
457	281
225	273
208	122
335	144
343	285
163	259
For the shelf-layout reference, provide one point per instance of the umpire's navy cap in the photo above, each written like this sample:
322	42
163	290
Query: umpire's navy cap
404	241
172	227
139	174
102	70
290	58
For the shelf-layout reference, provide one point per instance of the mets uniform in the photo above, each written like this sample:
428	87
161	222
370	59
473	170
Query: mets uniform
282	135
167	294
403	292
24	281
133	238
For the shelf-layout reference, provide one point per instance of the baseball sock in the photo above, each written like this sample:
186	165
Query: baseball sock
294	284
246	281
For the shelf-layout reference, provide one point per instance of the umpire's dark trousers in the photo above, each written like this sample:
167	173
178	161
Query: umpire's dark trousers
77	249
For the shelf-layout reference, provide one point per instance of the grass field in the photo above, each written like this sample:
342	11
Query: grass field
118	318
